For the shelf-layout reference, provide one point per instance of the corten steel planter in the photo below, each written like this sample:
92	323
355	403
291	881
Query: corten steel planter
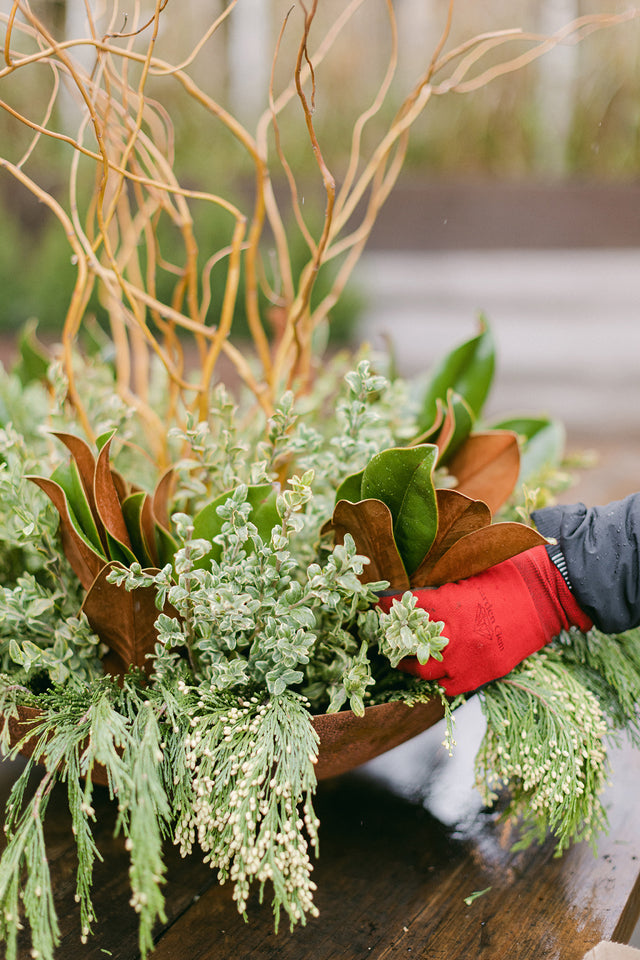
346	741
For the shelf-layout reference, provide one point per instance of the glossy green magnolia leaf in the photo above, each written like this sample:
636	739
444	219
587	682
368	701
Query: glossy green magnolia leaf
350	488
264	512
104	438
468	369
149	531
34	361
85	560
122	552
166	545
401	477
432	432
207	524
542	444
371	525
132	510
67	476
457	425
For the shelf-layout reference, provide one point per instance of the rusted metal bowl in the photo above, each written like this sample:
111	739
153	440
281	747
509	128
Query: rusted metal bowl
346	741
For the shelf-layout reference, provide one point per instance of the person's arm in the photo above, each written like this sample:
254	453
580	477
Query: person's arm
598	551
496	619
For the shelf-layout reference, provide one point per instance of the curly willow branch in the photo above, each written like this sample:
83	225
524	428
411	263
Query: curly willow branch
125	140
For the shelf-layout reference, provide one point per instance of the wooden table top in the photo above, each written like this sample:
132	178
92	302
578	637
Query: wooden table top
403	842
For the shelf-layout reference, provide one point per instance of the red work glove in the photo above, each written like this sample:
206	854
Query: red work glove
495	619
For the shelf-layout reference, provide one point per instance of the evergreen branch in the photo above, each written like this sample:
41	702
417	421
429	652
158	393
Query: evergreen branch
545	744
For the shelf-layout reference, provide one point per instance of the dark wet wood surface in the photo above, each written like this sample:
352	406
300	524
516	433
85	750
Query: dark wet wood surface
403	842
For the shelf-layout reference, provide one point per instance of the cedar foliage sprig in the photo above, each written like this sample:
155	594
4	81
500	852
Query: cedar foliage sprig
548	724
247	786
79	728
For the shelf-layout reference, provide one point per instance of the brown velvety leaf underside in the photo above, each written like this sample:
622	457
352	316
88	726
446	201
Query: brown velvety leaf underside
458	516
86	464
482	549
124	620
487	466
371	525
85	562
107	498
162	498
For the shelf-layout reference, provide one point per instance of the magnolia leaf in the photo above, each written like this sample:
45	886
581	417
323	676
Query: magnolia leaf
85	461
123	489
124	620
370	523
402	478
162	498
107	500
85	560
264	512
432	432
148	530
482	549
458	516
132	509
166	545
34	361
350	488
67	476
105	437
468	369
120	551
85	568
542	443
457	426
207	524
486	467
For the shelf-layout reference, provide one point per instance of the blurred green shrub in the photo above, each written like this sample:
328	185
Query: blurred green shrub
37	275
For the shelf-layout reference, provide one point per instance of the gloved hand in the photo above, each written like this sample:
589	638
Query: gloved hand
495	619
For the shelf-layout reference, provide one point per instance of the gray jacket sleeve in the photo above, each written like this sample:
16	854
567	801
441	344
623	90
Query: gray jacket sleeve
601	549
